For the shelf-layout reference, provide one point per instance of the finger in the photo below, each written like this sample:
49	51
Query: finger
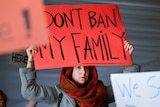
125	41
32	49
131	49
126	45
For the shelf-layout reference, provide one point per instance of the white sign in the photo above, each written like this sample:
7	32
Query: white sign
136	89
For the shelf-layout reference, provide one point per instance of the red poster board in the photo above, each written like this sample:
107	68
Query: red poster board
22	23
88	34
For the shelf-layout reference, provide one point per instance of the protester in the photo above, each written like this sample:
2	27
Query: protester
3	99
79	86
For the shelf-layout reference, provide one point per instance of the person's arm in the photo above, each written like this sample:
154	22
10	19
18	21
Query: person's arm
134	67
30	52
31	104
29	89
30	64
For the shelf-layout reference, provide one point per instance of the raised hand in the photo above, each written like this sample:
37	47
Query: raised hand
128	47
30	52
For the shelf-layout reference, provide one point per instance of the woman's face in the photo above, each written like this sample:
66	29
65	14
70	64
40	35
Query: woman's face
80	74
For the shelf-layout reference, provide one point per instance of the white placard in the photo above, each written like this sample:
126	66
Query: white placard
136	89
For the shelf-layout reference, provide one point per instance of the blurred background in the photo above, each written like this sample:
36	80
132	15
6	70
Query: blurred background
141	19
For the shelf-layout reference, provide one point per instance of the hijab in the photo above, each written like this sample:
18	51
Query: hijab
91	94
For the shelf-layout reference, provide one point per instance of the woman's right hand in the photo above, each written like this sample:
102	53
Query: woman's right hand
30	52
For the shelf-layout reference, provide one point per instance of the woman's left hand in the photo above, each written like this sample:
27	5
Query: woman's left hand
128	47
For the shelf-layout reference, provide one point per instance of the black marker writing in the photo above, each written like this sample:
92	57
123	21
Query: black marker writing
101	20
26	17
65	19
60	44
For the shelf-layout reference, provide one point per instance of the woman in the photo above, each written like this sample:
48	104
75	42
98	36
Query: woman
79	86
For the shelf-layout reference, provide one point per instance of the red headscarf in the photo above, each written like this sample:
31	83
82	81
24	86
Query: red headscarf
92	94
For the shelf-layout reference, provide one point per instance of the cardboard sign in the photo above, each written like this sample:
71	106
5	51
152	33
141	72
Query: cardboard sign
22	23
19	58
89	34
136	89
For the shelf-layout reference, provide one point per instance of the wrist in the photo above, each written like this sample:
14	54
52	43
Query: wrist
30	64
30	61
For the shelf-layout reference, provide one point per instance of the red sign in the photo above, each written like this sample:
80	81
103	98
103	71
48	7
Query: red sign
88	34
22	23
